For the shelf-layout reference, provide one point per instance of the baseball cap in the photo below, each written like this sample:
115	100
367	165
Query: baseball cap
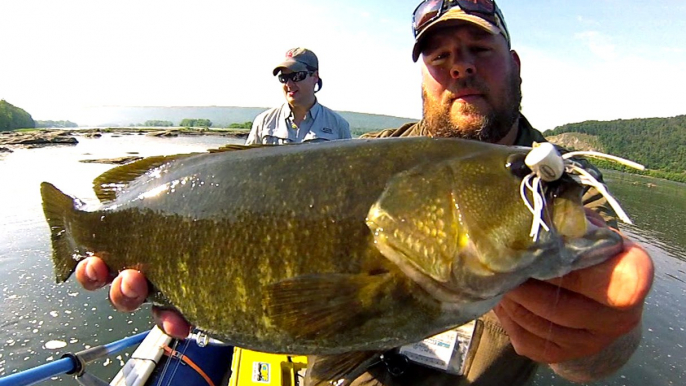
298	59
432	14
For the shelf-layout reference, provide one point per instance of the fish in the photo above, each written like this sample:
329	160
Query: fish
339	250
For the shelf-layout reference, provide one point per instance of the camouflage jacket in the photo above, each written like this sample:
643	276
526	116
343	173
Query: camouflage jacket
494	361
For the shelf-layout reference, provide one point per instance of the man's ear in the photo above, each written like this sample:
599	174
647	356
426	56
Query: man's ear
518	63
515	58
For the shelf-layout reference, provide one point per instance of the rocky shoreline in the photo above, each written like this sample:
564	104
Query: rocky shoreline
10	140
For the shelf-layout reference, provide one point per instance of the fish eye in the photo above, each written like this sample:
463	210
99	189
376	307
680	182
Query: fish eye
517	166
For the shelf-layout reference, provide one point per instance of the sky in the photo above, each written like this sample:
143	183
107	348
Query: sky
581	60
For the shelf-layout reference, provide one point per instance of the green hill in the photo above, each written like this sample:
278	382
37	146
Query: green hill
220	116
12	117
657	143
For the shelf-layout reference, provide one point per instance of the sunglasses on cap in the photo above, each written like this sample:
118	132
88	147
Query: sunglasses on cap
294	76
430	10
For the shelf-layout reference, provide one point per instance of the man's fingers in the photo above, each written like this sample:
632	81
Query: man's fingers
527	344
543	341
128	290
621	282
572	310
92	273
542	327
171	323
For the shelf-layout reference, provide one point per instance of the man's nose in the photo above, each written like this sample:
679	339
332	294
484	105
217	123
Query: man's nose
462	67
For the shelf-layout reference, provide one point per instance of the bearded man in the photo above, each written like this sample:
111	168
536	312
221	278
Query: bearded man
585	325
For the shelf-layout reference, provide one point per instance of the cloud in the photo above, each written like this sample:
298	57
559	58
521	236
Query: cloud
586	21
558	90
673	50
599	44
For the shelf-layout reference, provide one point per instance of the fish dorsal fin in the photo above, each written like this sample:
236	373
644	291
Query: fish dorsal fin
232	147
110	183
339	369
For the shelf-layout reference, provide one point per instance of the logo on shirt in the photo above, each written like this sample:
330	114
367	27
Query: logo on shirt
327	130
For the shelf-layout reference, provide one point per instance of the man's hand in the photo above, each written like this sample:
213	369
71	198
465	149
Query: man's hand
128	292
582	314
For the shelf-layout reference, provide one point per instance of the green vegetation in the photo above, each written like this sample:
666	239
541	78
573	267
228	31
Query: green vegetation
232	131
223	116
196	123
12	117
244	125
672	176
657	143
158	123
55	124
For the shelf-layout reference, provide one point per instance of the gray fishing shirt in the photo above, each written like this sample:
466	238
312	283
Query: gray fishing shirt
276	127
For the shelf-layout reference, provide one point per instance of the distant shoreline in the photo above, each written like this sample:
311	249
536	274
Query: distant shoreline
33	138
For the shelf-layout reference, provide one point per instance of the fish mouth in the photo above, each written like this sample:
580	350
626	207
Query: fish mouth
550	260
598	244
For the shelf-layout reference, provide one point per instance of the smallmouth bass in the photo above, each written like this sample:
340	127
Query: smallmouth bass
341	250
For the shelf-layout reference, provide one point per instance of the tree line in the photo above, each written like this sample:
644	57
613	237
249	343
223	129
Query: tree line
657	143
12	117
196	123
158	123
55	124
184	123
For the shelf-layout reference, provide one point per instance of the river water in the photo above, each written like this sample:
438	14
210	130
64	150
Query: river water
35	313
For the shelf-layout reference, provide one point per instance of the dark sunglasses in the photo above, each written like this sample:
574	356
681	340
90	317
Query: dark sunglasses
430	10
294	76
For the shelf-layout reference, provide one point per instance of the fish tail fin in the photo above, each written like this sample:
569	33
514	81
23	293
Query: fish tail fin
59	208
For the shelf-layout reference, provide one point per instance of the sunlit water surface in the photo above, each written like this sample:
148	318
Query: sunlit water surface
38	317
35	311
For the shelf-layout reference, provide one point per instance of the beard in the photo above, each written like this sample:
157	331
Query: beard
469	123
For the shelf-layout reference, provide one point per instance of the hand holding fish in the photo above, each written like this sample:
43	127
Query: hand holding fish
586	324
128	292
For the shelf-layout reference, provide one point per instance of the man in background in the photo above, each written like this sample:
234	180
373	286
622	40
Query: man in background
302	118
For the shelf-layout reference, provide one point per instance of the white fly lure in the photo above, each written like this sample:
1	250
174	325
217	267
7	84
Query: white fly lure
547	165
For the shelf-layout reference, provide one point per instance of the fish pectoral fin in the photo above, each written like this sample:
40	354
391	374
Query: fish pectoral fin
109	183
320	305
327	369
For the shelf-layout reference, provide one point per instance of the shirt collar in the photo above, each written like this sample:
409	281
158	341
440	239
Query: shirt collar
311	114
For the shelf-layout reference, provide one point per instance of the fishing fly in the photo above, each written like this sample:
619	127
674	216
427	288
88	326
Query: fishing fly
548	165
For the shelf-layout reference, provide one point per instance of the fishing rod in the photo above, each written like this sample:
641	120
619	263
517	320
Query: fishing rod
70	363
